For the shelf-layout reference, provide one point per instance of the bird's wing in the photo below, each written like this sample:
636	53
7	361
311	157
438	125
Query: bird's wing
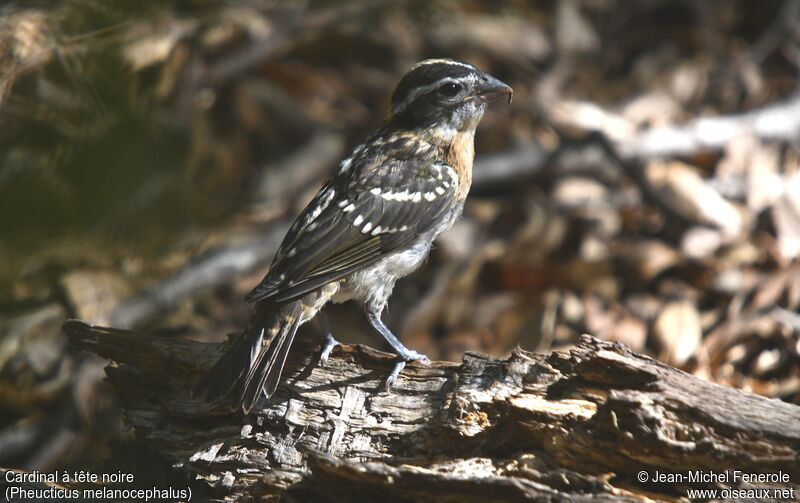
355	220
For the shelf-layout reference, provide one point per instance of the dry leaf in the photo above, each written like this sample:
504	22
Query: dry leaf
700	243
574	33
503	37
697	200
629	330
647	258
151	46
95	294
677	332
786	214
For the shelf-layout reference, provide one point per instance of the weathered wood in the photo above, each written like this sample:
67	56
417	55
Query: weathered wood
577	424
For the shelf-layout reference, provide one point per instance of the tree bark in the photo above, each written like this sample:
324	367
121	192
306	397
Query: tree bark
577	424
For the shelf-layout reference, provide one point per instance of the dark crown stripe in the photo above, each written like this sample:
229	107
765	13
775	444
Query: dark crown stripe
429	72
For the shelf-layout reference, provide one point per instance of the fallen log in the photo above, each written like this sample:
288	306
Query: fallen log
579	424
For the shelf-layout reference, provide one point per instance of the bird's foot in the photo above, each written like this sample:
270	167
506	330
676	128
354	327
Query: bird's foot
407	356
327	346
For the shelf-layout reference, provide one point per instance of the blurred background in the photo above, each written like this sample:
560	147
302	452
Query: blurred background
643	187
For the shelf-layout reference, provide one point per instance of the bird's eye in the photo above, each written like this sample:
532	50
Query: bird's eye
449	89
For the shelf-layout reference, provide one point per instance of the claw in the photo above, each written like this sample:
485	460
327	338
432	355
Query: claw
328	346
392	377
411	356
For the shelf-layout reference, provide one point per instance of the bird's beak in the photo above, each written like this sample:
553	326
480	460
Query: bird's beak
491	89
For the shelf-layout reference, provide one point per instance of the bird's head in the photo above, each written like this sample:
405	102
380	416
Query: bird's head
444	96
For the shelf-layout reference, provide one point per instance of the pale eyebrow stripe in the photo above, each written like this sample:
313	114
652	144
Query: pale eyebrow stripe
419	91
444	62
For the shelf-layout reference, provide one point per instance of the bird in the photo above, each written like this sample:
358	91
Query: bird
371	223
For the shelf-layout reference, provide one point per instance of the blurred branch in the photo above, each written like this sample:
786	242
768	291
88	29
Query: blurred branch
530	427
616	138
776	122
211	269
777	33
280	181
500	169
533	160
301	170
780	121
296	24
238	63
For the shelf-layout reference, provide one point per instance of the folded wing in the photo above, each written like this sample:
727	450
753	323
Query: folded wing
356	219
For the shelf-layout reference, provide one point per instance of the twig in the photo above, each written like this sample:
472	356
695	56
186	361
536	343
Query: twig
216	267
531	161
295	26
500	169
213	268
777	32
301	170
775	122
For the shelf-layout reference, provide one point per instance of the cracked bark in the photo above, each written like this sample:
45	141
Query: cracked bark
576	424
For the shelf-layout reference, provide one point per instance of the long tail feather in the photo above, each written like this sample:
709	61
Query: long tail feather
255	357
269	363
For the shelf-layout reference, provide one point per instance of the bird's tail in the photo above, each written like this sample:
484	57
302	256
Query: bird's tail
254	361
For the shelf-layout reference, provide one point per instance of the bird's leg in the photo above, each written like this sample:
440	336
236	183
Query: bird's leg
404	354
329	343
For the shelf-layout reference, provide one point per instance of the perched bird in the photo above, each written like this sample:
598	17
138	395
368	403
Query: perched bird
370	224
